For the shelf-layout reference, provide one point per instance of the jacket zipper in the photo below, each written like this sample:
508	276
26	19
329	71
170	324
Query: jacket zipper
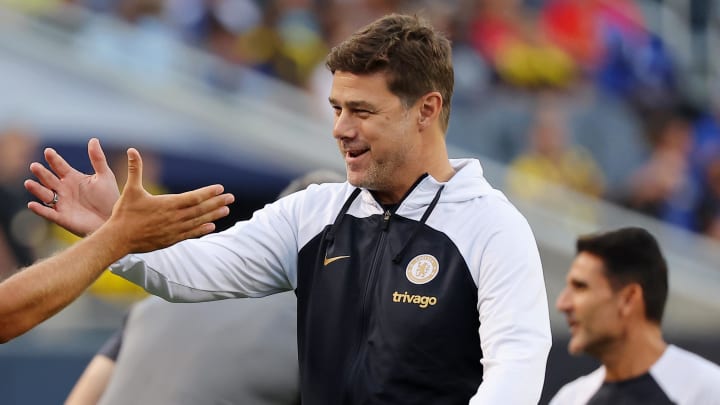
369	284
379	250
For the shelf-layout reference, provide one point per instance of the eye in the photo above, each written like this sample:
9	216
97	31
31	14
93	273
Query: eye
337	110
362	113
578	285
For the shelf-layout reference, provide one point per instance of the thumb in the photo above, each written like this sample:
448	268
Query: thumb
134	178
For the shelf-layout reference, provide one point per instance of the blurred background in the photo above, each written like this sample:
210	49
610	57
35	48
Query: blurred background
589	114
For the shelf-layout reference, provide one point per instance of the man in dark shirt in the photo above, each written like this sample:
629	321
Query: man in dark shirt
614	301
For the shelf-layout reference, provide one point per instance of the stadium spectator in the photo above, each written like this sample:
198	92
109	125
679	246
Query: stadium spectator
665	186
20	232
705	160
614	301
139	222
416	280
581	27
516	47
552	157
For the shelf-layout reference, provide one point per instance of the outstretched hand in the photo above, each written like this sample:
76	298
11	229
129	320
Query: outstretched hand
138	222
142	222
84	202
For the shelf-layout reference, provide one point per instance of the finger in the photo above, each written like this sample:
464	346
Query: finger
97	157
43	211
196	232
208	217
134	178
46	177
197	196
40	192
197	212
57	163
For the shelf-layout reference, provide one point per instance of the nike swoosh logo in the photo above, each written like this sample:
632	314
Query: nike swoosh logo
332	259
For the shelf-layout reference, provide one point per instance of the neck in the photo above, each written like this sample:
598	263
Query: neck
635	354
435	156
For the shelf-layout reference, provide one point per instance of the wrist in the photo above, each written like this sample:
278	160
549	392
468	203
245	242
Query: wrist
110	237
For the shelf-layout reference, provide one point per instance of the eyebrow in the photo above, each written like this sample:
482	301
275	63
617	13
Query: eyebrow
578	283
353	104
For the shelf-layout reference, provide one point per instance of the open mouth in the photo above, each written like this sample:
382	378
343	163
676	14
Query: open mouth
572	324
356	152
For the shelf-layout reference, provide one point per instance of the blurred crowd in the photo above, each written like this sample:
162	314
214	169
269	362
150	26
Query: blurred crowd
585	93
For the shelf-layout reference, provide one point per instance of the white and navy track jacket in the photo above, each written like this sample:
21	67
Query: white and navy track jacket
678	377
441	301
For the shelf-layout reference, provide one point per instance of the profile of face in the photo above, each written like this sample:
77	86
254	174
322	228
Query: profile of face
375	133
593	310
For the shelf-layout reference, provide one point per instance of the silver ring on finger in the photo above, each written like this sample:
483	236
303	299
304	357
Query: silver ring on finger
54	201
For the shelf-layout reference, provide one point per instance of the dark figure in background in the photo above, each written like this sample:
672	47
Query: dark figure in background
20	231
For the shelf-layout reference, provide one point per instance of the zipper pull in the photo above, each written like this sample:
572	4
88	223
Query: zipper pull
386	219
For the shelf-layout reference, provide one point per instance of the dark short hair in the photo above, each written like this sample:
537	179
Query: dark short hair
632	255
415	58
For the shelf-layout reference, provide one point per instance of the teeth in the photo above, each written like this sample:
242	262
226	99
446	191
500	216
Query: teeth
355	152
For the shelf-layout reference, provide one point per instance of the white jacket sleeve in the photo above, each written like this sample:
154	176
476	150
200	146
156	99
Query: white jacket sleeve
514	321
253	258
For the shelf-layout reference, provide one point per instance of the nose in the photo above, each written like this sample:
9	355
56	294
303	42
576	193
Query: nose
563	301
344	126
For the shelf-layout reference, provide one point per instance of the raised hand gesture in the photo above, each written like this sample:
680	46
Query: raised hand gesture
139	222
78	202
143	222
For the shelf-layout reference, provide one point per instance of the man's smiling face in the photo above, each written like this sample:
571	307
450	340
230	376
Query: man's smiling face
376	134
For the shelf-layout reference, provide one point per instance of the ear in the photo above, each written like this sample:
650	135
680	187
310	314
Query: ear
430	106
632	300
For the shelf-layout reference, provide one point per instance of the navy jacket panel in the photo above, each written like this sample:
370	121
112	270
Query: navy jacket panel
368	334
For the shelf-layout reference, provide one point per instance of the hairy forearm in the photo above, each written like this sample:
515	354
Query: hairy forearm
140	222
41	290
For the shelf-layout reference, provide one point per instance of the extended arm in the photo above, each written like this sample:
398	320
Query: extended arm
193	271
139	222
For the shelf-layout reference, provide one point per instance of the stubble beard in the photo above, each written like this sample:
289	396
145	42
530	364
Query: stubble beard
376	177
381	175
